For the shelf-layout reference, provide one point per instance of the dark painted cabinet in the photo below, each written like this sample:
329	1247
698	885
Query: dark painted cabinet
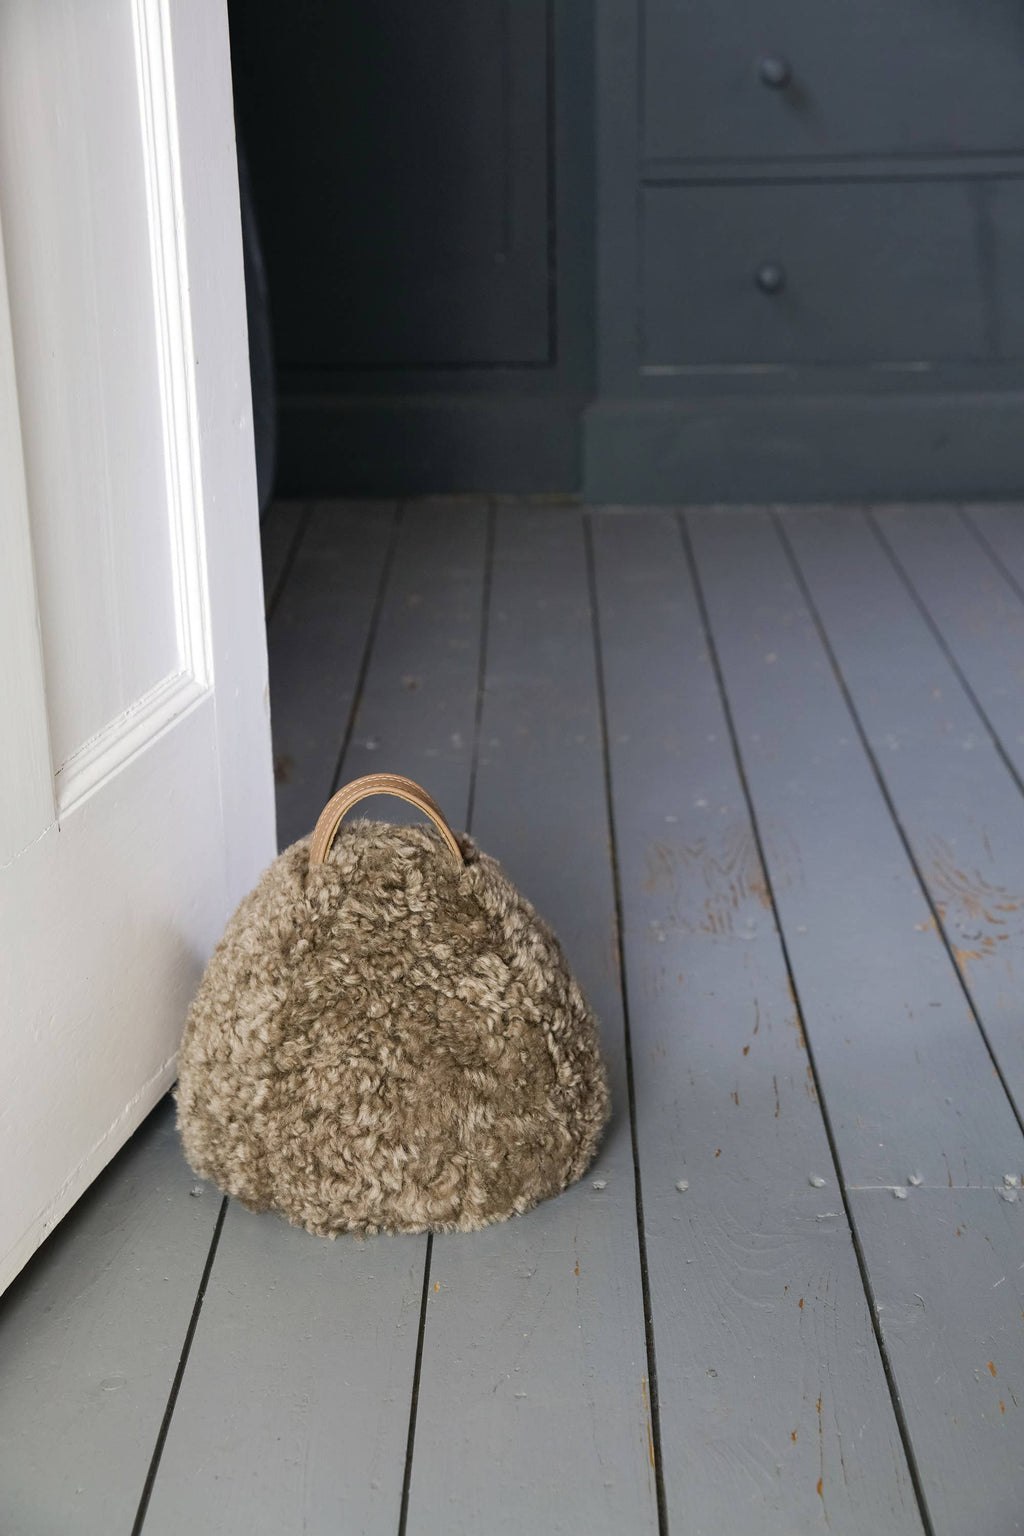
408	179
810	249
423	176
663	249
856	272
748	78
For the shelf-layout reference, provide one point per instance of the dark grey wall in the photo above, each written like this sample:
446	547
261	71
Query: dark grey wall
423	179
810	250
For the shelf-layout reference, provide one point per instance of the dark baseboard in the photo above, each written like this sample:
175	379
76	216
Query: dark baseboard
826	448
428	445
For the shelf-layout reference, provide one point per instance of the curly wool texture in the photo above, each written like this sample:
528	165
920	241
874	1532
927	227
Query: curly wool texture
386	1043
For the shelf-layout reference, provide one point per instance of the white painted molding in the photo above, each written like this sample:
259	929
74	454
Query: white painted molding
106	753
175	347
131	732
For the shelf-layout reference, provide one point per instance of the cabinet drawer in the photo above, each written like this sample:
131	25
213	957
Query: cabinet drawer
853	272
872	77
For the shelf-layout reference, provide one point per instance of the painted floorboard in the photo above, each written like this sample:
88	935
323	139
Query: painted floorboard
279	530
419	716
293	1411
534	1407
1001	527
316	640
909	1083
951	556
971	600
534	1413
906	1079
961	809
942	1255
775	1411
90	1336
293	1415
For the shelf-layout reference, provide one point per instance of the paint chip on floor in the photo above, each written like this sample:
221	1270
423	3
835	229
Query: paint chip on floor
817	1181
682	1185
899	1192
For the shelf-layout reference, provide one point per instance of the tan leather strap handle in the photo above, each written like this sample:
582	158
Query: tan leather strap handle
376	784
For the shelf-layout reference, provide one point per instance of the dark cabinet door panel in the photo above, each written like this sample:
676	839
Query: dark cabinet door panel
742	78
852	272
400	154
1001	206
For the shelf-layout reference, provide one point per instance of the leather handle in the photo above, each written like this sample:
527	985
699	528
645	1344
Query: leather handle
329	821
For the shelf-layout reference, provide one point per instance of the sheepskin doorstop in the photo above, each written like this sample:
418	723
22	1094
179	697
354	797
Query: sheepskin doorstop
388	1037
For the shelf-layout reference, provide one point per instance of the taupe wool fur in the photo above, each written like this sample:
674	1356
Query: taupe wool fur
384	1042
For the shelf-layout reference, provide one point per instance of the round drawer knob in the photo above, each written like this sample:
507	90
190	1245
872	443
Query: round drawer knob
774	72
770	277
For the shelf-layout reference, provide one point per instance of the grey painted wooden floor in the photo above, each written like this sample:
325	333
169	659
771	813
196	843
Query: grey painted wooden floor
764	771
